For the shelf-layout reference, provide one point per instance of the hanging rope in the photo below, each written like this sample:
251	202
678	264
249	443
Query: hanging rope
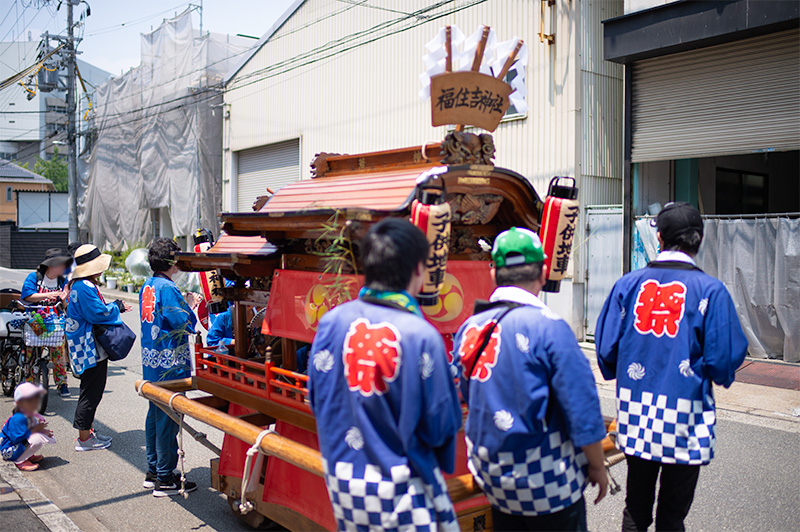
181	452
248	478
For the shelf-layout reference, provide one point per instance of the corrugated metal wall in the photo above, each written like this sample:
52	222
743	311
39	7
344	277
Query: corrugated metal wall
366	99
601	108
734	98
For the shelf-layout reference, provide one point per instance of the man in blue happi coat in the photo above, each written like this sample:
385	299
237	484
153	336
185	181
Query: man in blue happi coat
534	427
383	396
666	332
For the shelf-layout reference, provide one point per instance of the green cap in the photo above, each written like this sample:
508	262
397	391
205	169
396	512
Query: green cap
517	246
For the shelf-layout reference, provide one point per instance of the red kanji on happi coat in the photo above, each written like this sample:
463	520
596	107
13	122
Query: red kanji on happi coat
659	308
473	338
371	356
148	303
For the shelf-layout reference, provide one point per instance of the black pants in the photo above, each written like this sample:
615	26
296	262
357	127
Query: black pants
93	384
572	519
675	494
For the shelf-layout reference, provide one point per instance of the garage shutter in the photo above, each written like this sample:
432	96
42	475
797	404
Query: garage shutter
728	99
271	166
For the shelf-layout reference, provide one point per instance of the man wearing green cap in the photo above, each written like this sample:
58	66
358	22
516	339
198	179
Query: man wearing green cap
534	426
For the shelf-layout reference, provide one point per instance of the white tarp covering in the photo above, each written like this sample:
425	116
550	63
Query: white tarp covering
758	260
159	138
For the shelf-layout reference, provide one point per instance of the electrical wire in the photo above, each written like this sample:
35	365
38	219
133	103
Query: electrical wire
106	122
122	25
292	63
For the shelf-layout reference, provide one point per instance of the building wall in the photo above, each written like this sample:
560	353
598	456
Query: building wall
632	6
8	207
367	99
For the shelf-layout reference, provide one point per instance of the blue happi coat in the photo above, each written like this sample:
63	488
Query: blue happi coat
388	413
14	436
167	322
86	308
666	332
532	405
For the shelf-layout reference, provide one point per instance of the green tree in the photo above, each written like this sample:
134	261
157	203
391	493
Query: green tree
55	170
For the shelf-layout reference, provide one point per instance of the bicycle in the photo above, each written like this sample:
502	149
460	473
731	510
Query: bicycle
33	329
12	348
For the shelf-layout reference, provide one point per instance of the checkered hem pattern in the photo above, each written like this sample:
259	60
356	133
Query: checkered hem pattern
665	429
372	501
82	351
537	481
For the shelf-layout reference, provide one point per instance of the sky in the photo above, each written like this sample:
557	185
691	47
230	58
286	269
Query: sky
111	32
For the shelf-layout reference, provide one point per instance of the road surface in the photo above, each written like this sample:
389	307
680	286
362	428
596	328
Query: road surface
753	484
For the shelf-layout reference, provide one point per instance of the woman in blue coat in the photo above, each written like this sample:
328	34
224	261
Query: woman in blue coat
88	308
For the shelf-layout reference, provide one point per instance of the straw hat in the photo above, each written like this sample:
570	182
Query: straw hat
89	261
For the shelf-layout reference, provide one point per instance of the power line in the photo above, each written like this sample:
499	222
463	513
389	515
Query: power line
115	27
290	64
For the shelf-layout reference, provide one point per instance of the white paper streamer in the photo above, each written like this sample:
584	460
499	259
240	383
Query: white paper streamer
463	51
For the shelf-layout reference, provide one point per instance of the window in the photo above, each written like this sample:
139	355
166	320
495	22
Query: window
740	192
9	194
512	111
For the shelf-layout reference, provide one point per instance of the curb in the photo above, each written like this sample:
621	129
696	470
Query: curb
47	512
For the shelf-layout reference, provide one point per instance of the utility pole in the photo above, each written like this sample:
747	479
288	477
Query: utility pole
72	156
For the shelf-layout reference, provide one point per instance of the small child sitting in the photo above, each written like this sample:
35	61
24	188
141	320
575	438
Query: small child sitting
26	431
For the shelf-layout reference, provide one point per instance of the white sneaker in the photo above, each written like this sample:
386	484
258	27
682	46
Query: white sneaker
91	444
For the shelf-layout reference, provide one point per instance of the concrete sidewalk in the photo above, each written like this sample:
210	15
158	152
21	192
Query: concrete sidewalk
769	404
24	507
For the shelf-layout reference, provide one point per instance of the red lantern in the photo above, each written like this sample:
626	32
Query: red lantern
210	281
431	213
559	220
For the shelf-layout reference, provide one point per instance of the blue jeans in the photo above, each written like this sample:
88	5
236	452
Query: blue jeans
162	443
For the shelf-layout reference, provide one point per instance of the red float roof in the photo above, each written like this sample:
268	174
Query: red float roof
249	245
390	190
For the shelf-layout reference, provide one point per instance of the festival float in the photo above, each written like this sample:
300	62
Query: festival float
296	256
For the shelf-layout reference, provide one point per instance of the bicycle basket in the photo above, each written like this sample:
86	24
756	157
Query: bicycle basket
47	333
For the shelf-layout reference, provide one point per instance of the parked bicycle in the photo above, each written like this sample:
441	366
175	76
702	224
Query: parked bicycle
27	333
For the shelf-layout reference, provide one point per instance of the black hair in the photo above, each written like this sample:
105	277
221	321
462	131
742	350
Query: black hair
73	247
688	242
517	275
161	254
392	251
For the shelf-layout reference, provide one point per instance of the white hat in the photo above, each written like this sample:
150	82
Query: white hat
27	390
89	261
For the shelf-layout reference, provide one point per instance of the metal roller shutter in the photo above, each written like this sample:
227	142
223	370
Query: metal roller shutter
729	99
271	166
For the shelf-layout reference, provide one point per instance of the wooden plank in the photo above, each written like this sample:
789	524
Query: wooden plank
179	385
212	401
287	518
261	404
284	448
240	329
258	419
289	353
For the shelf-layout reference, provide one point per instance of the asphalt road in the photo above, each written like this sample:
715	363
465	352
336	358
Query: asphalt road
752	484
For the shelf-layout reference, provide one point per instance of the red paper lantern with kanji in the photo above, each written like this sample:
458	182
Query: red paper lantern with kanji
559	221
